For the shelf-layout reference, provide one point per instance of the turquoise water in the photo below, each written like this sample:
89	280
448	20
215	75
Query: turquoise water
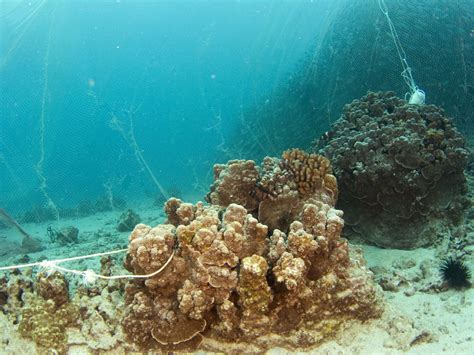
181	72
111	97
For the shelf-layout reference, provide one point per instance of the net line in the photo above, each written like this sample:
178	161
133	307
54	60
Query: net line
406	73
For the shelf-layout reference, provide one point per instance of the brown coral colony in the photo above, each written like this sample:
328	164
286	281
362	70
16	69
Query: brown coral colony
312	173
400	169
237	276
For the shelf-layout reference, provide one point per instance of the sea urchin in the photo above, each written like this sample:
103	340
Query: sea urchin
455	273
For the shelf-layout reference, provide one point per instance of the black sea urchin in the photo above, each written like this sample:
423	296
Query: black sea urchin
455	273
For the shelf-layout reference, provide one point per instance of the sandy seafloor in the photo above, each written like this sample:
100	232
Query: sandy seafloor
419	318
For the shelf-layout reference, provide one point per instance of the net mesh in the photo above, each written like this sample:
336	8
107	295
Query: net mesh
98	106
99	111
355	53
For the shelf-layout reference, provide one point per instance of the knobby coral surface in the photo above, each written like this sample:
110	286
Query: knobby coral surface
399	168
45	322
41	308
231	279
277	190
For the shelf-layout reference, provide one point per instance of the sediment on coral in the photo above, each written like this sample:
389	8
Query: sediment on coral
231	279
400	169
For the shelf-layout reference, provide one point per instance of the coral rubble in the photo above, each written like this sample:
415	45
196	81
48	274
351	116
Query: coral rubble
127	221
64	236
400	169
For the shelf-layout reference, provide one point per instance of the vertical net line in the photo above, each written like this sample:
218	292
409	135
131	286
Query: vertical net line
406	73
42	125
129	137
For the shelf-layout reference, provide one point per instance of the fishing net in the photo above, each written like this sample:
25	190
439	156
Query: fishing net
98	107
106	102
355	53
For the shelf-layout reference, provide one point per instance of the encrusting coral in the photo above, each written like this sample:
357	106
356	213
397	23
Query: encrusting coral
52	287
233	279
46	323
400	169
41	308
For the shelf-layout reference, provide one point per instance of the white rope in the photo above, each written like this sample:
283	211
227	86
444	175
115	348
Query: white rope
45	262
88	275
417	96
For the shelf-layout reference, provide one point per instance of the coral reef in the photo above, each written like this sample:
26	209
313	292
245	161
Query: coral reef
41	308
231	278
52	287
12	289
277	190
399	168
127	221
234	183
101	311
45	322
229	275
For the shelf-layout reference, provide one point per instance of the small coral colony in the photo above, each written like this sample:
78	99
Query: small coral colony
263	262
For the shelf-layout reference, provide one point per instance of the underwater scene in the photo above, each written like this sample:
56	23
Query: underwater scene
237	177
